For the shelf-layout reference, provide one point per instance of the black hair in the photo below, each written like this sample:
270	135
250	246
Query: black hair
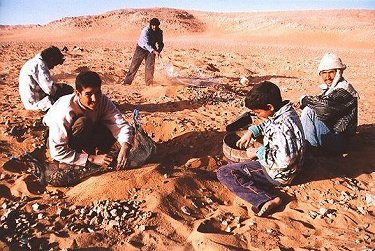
155	21
262	94
53	53
87	79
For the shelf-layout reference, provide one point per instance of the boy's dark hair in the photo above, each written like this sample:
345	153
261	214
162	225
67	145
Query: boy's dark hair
262	94
54	53
87	79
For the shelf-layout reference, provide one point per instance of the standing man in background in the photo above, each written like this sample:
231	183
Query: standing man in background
149	46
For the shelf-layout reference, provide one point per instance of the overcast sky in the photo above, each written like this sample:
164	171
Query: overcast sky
44	11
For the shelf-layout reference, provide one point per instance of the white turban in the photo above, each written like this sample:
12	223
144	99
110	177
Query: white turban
330	61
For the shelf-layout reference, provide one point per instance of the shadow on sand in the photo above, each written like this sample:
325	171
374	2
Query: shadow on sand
358	160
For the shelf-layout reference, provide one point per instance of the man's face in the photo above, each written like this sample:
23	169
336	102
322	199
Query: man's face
328	76
90	97
154	27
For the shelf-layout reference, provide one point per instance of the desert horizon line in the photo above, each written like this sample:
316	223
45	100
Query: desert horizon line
181	9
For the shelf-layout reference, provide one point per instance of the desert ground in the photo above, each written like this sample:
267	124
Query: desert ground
175	201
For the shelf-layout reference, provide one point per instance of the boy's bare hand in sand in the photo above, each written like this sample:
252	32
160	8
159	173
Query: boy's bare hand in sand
102	160
245	141
123	156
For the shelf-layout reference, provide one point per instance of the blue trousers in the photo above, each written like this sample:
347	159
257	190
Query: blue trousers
319	135
248	181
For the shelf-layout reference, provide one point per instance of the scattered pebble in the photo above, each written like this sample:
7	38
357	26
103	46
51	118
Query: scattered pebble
35	207
20	227
186	210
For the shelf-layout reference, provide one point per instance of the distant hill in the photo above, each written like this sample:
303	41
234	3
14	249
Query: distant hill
175	20
125	25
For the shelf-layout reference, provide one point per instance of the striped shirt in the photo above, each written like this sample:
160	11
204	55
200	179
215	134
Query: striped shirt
338	109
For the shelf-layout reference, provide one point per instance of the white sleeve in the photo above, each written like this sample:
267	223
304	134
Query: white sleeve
116	123
45	80
143	41
58	141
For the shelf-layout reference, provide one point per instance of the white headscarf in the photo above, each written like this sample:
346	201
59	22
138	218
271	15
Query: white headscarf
331	61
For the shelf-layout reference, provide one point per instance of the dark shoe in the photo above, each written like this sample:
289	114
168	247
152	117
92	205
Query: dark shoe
126	82
39	168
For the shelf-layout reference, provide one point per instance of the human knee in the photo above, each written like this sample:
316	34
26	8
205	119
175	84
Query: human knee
307	112
81	126
223	172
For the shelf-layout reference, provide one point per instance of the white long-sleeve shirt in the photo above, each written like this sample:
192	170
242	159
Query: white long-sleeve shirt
151	40
66	110
36	85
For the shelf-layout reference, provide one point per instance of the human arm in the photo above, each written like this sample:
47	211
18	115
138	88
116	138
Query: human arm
159	44
44	79
103	160
245	141
160	41
119	127
298	104
253	132
329	107
144	40
156	53
59	120
283	150
59	147
123	156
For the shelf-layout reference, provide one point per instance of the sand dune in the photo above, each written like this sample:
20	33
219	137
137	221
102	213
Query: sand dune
175	202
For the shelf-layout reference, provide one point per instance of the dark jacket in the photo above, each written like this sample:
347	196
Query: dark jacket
338	109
